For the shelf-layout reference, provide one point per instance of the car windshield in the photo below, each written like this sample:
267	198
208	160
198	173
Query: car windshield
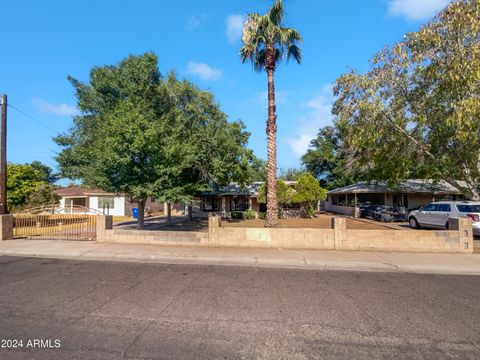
469	208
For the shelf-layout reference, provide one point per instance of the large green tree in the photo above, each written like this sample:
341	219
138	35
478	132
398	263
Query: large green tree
326	159
266	42
417	111
144	135
26	182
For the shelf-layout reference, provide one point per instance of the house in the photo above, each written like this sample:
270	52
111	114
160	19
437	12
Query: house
232	198
407	193
99	201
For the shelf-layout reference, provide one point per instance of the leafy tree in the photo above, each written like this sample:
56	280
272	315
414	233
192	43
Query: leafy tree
22	181
46	171
285	193
265	43
326	159
258	169
308	191
142	135
417	111
43	195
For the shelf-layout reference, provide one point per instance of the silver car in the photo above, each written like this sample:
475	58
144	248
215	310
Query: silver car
436	215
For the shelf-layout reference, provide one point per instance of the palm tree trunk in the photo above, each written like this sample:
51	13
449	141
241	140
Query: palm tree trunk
272	207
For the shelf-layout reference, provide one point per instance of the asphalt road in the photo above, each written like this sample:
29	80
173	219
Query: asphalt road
113	310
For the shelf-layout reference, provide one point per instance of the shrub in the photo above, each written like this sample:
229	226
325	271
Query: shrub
237	215
262	215
250	215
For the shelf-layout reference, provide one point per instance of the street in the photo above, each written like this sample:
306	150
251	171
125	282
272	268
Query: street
114	310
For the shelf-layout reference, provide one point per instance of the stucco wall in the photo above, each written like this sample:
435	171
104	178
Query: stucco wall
118	205
337	209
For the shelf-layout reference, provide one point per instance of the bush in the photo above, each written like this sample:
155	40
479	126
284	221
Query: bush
237	215
250	215
262	215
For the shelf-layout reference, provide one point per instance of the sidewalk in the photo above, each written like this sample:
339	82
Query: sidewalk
465	264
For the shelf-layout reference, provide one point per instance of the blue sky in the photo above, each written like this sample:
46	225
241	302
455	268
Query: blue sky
44	41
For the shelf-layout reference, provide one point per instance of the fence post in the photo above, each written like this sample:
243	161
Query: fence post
214	230
465	233
104	223
6	227
340	233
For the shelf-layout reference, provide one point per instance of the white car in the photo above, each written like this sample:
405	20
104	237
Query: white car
436	215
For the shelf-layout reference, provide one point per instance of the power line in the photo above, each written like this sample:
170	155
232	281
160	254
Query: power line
32	118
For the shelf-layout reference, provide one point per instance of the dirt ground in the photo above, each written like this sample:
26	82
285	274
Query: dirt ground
320	222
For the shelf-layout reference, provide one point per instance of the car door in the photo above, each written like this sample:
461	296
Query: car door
441	215
425	215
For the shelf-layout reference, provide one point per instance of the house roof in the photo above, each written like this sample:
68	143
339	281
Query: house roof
235	189
420	186
79	191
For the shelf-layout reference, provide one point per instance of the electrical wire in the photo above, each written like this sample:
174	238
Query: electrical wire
32	118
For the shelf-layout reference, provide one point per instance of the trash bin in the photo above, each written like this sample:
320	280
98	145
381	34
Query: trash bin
135	213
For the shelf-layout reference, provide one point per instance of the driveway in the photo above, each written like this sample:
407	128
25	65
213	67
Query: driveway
105	310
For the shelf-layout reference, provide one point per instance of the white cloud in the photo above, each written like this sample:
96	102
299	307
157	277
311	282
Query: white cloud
234	27
318	115
193	22
56	109
203	71
416	9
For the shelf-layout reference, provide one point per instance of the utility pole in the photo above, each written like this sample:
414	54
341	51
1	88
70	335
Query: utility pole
3	157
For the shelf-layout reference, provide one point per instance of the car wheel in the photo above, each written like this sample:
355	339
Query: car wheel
446	226
413	223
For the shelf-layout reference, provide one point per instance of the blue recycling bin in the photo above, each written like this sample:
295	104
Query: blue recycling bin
135	213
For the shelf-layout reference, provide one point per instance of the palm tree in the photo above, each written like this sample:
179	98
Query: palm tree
265	43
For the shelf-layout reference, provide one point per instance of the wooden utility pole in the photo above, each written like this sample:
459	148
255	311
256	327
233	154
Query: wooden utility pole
3	157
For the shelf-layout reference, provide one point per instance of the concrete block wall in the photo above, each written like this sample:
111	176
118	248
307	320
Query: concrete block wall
172	238
277	238
459	239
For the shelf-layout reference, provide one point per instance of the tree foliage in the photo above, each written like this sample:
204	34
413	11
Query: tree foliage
326	159
416	113
141	134
284	193
25	181
306	190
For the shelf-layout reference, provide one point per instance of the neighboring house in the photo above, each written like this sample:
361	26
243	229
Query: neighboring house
100	201
408	194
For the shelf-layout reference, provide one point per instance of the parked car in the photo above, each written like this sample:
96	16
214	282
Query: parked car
436	215
384	213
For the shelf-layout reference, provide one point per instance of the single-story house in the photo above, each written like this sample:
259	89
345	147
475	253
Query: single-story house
233	198
99	201
409	194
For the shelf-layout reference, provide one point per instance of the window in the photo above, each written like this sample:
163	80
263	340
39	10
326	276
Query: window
210	203
238	203
429	207
443	207
106	202
469	208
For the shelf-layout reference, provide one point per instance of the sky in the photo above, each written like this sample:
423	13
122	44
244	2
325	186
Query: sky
45	41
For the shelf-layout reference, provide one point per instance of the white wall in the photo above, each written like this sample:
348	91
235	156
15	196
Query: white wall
118	207
337	209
